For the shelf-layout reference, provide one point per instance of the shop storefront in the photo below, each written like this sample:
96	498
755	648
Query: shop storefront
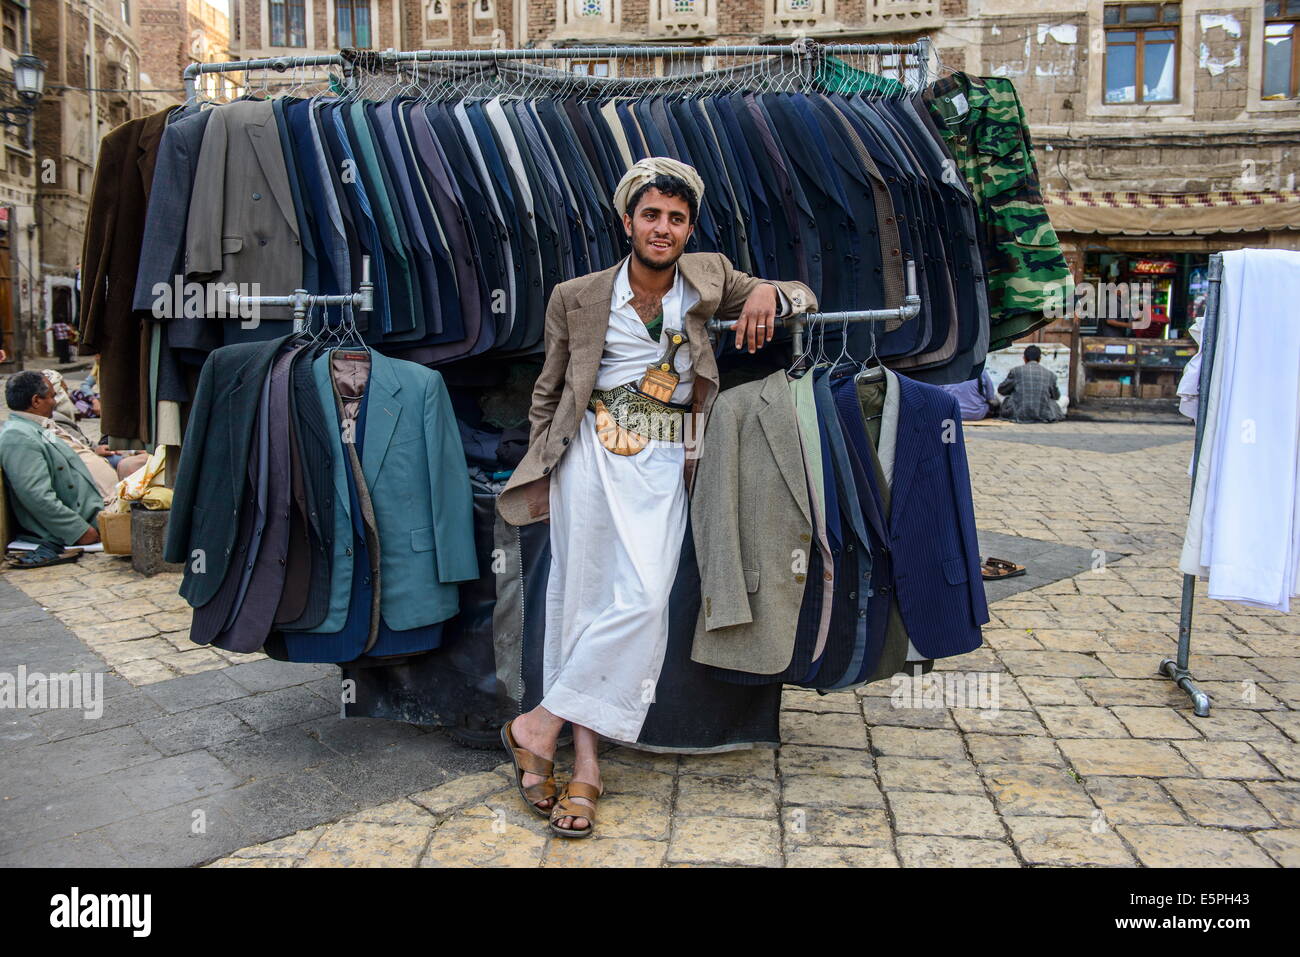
1141	261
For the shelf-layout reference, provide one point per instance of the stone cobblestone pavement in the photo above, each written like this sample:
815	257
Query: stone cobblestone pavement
1089	759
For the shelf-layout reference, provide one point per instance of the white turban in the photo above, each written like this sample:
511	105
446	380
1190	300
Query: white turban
644	171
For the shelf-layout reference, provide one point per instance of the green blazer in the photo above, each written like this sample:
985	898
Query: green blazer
414	467
53	496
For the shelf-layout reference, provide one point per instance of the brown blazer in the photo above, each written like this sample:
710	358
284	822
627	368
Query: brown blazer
576	319
110	258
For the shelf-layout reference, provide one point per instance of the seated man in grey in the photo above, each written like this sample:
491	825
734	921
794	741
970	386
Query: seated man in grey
1030	392
54	496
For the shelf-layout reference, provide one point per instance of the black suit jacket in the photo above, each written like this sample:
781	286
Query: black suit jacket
207	500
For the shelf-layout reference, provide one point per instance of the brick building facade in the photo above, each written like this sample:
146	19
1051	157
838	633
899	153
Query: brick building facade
175	33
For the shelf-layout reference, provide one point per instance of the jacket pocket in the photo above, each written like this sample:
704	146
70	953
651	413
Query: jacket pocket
232	244
954	571
422	539
751	579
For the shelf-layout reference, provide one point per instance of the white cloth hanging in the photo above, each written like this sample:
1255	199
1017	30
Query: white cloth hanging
1243	530
617	524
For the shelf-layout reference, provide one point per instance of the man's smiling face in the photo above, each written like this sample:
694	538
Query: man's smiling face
659	229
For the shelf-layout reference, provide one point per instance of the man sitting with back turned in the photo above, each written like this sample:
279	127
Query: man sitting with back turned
1030	391
54	496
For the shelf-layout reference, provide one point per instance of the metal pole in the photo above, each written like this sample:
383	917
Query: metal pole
1178	670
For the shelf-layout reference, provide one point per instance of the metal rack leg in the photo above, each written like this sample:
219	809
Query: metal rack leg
1177	669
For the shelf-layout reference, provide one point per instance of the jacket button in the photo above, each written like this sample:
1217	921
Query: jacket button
546	470
829	576
347	551
261	242
800	578
805	537
257	196
565	440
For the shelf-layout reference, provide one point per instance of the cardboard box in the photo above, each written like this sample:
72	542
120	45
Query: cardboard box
1105	388
115	532
1150	391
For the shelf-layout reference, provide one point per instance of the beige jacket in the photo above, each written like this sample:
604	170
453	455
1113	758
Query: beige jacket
576	319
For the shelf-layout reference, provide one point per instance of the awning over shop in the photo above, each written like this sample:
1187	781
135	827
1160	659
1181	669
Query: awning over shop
1181	214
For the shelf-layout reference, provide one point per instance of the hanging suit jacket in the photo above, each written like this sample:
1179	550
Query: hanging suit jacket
414	467
110	260
241	214
576	320
751	519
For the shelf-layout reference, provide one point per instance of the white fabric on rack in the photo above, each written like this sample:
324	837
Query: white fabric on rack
1243	531
617	525
1189	385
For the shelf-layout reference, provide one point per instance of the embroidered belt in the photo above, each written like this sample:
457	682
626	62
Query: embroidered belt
640	414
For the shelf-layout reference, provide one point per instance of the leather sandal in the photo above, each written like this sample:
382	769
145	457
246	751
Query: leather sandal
997	568
526	762
565	807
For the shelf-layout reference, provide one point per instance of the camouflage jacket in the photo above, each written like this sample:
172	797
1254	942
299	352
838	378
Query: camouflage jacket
984	127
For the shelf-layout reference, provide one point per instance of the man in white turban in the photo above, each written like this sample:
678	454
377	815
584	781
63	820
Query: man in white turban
628	372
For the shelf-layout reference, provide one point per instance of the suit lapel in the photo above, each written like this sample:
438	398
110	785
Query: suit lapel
779	425
325	389
266	145
907	450
382	413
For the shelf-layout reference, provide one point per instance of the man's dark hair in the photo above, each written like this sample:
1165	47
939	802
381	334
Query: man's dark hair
1033	353
669	186
23	388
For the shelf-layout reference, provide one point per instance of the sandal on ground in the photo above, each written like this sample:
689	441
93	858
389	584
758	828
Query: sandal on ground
566	807
526	762
997	568
42	556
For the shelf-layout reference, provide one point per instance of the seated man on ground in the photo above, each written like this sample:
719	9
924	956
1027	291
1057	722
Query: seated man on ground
1030	391
55	493
975	397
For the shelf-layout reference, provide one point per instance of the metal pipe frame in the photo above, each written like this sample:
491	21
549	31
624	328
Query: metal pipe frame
1178	670
910	309
300	300
920	50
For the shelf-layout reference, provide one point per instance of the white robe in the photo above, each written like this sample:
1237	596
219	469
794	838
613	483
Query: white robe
617	524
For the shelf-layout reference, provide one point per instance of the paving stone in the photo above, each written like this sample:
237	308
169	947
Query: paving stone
1133	801
293	846
948	776
755	762
1043	690
931	851
1118	691
190	730
953	815
462	791
796	699
194	691
727	797
1067	842
1217	803
1237	725
830	730
1003	749
881	712
604	852
834	827
1063	664
485	841
174	780
364	844
1288	722
1162	723
192	660
1282	798
145	672
1032	789
813	855
796	759
997	721
1281	844
1226	759
401	811
625	779
1158	845
917	743
1284	757
1068	721
826	791
277	709
1128	757
1083	640
725	840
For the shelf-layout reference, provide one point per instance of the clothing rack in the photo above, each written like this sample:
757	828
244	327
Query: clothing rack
806	54
910	308
301	301
1177	669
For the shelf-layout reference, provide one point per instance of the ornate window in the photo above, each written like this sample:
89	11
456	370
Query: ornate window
352	18
288	23
677	18
1281	79
1141	52
587	18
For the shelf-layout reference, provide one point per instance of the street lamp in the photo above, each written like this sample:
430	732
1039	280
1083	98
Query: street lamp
29	78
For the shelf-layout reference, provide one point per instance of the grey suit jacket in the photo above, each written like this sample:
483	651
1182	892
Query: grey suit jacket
577	318
241	218
753	529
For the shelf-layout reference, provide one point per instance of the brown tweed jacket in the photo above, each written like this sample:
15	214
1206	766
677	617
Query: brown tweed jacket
576	320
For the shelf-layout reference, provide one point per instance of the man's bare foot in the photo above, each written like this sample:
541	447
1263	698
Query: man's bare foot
528	737
587	773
